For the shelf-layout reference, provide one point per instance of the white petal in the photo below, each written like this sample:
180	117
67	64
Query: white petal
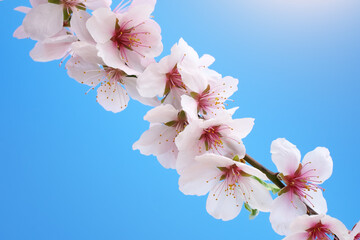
189	137
110	54
305	222
318	163
78	25
112	97
297	236
162	114
44	21
221	205
198	179
22	9
206	60
84	72
285	155
35	3
20	33
95	4
215	160
190	106
130	85
255	194
242	127
152	81
52	48
355	231
102	25
317	201
251	170
283	212
185	159
336	227
168	159
87	51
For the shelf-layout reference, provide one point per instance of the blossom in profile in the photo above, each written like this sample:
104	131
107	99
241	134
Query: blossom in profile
165	79
166	123
317	227
229	183
127	40
220	135
302	182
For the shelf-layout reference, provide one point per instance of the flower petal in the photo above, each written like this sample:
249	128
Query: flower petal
198	179
78	25
283	212
112	97
285	155
255	194
102	25
84	72
319	164
317	201
336	227
162	114
221	205
297	236
44	21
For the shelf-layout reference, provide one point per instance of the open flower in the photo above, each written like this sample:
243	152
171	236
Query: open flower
165	79
317	227
126	40
159	140
221	135
114	84
229	184
302	182
355	233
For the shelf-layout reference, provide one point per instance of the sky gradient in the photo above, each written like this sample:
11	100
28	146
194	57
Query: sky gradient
67	168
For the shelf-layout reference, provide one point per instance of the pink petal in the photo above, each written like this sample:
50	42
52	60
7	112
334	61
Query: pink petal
318	163
162	114
285	155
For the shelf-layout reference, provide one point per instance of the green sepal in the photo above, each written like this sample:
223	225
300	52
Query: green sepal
117	25
269	186
244	174
131	76
194	95
54	1
282	191
222	177
223	169
81	6
170	124
253	212
207	90
236	158
206	145
182	116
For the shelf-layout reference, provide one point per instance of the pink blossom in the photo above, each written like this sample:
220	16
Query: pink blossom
165	79
317	227
126	41
166	123
229	184
302	182
221	135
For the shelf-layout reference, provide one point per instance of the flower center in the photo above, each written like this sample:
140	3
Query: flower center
320	232
70	3
301	182
114	75
211	138
207	100
180	123
128	38
173	79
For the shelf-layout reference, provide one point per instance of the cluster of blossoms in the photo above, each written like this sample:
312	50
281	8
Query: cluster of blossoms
190	128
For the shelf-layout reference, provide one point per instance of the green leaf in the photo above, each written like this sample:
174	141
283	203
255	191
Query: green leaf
253	212
269	186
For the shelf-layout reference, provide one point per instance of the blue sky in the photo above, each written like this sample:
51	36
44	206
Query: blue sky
67	168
